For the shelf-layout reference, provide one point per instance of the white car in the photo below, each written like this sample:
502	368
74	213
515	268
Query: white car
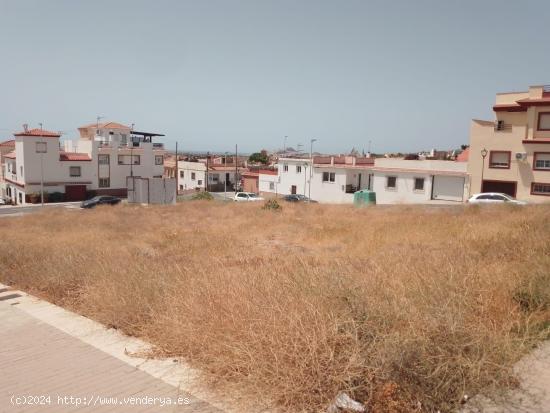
2	201
247	197
494	198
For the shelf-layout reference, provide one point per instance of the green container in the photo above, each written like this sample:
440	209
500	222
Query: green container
364	197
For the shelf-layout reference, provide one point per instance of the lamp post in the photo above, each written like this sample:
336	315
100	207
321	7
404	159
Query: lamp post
311	168
483	155
42	148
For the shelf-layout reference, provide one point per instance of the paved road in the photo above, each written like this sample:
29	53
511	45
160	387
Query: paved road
39	360
22	210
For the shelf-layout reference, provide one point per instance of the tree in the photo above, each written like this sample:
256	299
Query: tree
259	157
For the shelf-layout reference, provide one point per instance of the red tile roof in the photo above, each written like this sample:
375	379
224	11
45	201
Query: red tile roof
267	172
73	156
38	132
10	155
10	142
463	156
107	125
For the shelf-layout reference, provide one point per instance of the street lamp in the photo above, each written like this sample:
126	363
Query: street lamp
311	168
484	153
41	149
284	146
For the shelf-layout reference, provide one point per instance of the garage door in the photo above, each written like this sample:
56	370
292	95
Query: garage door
505	187
75	192
448	188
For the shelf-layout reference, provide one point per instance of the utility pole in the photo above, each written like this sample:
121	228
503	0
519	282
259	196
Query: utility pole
207	166
177	172
236	168
225	177
284	146
311	168
41	165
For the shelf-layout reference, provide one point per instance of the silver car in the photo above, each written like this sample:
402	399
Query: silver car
494	198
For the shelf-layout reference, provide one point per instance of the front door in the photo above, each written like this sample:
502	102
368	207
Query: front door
293	189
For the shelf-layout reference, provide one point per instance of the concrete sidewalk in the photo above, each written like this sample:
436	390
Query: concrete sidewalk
83	367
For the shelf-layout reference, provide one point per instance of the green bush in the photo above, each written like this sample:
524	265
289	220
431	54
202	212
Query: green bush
203	195
272	205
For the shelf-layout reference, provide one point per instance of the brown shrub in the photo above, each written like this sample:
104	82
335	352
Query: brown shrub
394	305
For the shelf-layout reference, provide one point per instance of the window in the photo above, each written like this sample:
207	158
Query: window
104	182
391	182
540	189
21	171
199	182
329	176
74	171
125	159
181	174
41	147
272	186
298	169
285	167
193	176
241	195
541	161
181	187
418	184
500	159
103	159
159	159
215	178
544	121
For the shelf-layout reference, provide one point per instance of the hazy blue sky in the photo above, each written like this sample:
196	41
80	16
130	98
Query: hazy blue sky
406	75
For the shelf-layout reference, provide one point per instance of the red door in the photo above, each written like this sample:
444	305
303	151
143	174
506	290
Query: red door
75	193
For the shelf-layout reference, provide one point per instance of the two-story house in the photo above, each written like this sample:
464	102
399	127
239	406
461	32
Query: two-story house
100	162
512	153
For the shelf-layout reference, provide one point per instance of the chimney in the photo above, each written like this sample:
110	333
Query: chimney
26	127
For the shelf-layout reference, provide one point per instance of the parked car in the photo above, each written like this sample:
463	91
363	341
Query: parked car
298	198
247	197
494	198
2	201
100	200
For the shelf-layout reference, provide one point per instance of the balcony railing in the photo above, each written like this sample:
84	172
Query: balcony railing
500	126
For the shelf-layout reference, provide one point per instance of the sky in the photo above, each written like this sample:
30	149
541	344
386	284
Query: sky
403	75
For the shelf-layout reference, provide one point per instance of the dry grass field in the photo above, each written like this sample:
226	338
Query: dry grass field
405	308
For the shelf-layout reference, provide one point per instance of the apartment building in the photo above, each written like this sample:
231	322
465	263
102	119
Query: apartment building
511	154
331	179
101	161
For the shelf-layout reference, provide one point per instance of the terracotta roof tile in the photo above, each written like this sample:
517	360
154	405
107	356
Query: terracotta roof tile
38	132
108	125
10	155
73	156
10	142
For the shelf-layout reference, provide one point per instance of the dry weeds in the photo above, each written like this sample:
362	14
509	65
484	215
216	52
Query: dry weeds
393	305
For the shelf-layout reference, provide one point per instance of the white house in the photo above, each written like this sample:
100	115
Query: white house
398	181
191	175
329	179
100	162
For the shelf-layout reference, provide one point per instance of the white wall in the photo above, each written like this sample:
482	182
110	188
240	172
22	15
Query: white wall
188	168
404	192
268	183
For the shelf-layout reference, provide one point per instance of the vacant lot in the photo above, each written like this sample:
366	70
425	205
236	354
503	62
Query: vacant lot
397	306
